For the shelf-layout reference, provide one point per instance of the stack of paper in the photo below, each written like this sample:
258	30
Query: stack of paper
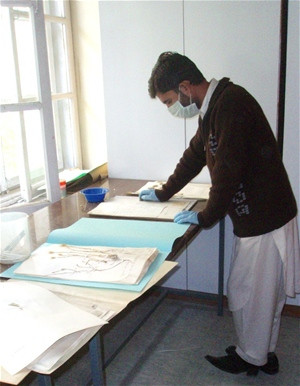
133	207
36	323
101	253
92	263
41	328
191	190
103	304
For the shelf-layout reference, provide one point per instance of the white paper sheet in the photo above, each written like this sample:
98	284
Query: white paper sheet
61	351
128	207
89	263
105	303
32	320
191	190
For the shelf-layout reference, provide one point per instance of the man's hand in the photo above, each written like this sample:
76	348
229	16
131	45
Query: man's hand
186	216
148	195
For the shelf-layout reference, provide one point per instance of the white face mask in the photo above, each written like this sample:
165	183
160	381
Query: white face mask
183	111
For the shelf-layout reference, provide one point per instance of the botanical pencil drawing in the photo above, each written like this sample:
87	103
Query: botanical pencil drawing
89	263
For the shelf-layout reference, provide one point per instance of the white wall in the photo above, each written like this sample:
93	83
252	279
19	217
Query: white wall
88	66
224	39
133	35
238	39
291	148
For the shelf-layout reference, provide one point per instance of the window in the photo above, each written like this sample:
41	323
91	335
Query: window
38	123
60	55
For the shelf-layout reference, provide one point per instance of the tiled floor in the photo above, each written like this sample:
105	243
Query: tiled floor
169	349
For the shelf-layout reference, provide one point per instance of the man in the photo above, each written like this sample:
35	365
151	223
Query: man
250	184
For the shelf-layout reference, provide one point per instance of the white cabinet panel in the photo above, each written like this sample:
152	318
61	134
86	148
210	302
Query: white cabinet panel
177	277
143	140
198	265
227	250
203	261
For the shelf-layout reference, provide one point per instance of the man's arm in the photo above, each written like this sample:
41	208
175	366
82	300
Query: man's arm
188	167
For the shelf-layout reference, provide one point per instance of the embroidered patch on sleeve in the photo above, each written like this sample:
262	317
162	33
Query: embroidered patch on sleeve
239	201
213	144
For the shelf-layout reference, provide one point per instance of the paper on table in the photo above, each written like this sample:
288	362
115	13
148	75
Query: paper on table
93	263
102	303
128	207
61	351
117	233
191	190
10	274
120	233
32	320
12	379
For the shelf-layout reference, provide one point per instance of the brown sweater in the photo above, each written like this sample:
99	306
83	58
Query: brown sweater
249	181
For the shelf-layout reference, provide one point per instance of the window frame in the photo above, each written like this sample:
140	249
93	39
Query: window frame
72	94
44	106
47	99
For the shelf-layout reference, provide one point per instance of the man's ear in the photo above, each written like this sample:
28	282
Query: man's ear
185	87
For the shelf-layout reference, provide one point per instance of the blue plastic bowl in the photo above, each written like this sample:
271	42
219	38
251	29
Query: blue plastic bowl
94	194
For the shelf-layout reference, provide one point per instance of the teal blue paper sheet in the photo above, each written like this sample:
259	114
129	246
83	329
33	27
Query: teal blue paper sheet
115	233
92	284
120	233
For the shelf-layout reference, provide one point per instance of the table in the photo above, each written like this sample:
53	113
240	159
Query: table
73	207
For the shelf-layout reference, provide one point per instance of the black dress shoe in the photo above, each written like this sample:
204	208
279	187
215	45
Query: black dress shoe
271	367
233	364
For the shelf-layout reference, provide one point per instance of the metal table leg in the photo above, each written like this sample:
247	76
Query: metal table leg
221	266
44	380
96	361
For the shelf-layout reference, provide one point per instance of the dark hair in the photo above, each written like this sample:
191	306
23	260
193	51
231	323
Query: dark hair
170	70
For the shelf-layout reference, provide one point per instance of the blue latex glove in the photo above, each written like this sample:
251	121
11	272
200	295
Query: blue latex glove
148	195
186	216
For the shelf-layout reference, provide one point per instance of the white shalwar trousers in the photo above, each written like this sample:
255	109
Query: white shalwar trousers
264	269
